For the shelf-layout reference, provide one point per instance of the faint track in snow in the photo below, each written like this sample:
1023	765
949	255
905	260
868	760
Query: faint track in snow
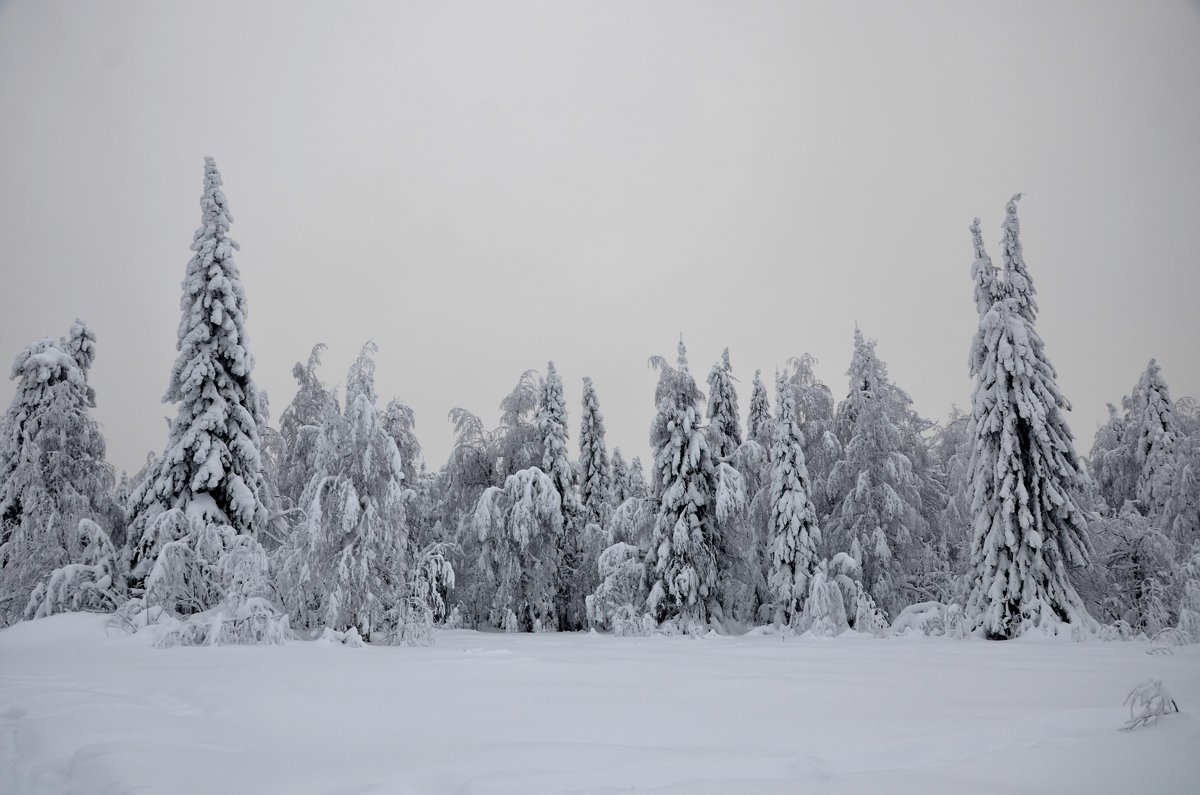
10	750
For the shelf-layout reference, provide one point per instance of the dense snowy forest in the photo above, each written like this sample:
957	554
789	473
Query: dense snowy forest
817	514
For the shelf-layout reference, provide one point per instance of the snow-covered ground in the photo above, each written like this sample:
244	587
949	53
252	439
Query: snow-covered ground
85	711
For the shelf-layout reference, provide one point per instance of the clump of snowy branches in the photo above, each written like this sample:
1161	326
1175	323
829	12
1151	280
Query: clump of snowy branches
1147	702
93	584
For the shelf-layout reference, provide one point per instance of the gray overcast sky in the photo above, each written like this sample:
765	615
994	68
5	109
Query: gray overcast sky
481	187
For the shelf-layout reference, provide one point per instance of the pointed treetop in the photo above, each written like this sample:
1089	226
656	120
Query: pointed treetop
1017	282
681	357
80	343
987	287
360	380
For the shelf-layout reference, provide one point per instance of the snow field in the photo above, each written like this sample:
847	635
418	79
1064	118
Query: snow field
89	710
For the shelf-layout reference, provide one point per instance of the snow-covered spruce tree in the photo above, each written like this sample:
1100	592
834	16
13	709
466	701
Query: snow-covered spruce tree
876	496
55	486
202	502
1155	441
1027	527
758	426
1113	461
621	487
520	529
346	565
814	411
724	419
596	477
793	532
595	493
681	563
556	463
637	486
300	425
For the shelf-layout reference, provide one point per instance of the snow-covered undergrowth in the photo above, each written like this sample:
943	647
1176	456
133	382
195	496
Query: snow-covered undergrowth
86	708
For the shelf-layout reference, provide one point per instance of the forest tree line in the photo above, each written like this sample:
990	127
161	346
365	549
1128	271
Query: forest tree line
817	515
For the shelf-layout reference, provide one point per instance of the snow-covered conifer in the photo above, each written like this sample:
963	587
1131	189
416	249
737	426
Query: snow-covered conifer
53	475
876	496
1027	526
724	419
574	574
620	479
211	472
681	563
814	411
596	477
793	532
636	485
758	426
1155	441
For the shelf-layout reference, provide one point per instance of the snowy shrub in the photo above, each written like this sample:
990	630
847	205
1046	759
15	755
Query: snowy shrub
928	618
824	612
349	638
237	620
621	590
1169	638
1148	702
868	617
626	621
957	625
1118	630
133	615
94	584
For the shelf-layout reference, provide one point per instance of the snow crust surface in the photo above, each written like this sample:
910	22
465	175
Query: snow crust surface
85	709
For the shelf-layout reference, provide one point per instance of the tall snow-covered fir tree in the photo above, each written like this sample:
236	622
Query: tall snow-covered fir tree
681	563
1156	440
209	476
758	427
345	566
793	533
556	463
1027	526
876	496
724	419
55	486
596	474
